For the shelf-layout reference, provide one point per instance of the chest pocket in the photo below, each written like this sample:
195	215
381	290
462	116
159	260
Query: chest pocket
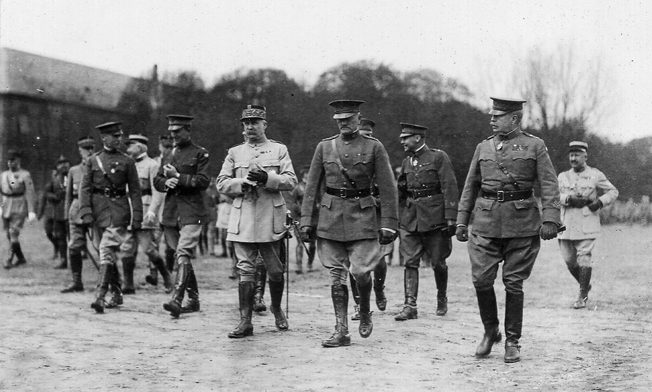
189	166
271	165
524	164
240	169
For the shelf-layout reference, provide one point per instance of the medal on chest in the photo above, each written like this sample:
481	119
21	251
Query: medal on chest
499	146
415	162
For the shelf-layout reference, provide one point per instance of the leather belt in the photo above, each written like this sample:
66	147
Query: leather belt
14	194
145	192
348	193
502	196
422	192
110	192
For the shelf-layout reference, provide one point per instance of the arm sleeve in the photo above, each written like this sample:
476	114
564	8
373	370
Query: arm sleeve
470	191
448	187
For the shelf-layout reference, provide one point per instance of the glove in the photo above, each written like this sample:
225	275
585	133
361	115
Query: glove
386	237
462	233
31	216
450	228
257	176
548	231
595	205
577	201
307	233
87	220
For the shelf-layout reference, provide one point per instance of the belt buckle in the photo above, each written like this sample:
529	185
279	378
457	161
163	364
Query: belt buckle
342	193
107	192
500	196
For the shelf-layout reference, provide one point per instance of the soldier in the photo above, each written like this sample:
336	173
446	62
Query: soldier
76	227
53	207
254	173
144	238
165	148
110	176
17	204
339	210
427	220
499	190
584	190
183	176
294	198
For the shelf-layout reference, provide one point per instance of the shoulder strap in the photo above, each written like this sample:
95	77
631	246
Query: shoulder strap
503	168
338	161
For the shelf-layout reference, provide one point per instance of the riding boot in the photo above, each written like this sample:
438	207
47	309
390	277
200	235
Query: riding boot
76	269
276	293
174	305
10	259
441	279
159	264
246	298
411	287
356	299
299	258
152	278
380	273
259	287
192	305
102	288
128	266
489	315
20	257
575	271
366	325
341	337
114	287
63	255
585	286
513	326
169	259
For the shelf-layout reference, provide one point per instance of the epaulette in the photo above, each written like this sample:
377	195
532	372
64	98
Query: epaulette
276	141
530	135
370	137
490	137
435	149
331	137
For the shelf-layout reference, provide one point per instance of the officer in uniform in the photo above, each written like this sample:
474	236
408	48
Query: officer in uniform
145	237
254	173
427	220
76	228
340	210
53	207
109	184
17	204
499	192
583	190
183	176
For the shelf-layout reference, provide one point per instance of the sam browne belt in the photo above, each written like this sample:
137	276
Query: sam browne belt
348	193
502	196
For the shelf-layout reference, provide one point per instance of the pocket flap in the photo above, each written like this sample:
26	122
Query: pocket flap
484	204
237	202
368	201
278	200
523	204
327	200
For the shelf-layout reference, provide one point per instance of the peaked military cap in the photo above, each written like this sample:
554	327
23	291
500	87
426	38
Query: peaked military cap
110	127
345	108
408	129
578	146
62	159
165	141
86	142
367	124
178	121
13	154
254	111
136	137
505	105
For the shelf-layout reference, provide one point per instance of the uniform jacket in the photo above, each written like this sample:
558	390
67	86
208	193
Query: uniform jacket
121	175
427	169
53	200
147	169
184	205
17	193
73	186
259	214
525	158
590	184
366	163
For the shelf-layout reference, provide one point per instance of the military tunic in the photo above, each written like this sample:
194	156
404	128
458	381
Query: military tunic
53	208
18	200
77	231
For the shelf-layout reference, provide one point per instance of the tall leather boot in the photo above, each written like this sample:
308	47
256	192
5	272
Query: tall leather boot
575	271
356	298
489	315
513	326
192	305
152	278
259	287
169	259
159	264
20	257
114	288
299	259
366	325
276	293
102	288
380	273
63	255
10	259
411	287
246	298
441	279
128	266
76	269
174	305
341	337
585	286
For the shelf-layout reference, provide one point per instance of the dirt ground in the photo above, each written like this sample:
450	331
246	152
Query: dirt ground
56	342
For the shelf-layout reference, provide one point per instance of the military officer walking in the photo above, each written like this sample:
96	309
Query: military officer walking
254	173
76	227
110	199
499	192
183	176
340	211
427	218
17	204
584	190
53	208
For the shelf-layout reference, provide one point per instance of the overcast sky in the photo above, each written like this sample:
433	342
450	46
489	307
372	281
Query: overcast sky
460	38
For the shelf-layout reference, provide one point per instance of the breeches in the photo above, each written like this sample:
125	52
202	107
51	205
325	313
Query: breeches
271	253
360	257
111	239
145	239
13	225
577	252
435	244
184	240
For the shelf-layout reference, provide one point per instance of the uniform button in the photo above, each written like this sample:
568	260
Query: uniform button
346	155
346	142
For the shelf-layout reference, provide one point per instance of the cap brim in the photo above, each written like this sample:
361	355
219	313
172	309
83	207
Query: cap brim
577	149
251	118
339	116
495	112
174	127
403	134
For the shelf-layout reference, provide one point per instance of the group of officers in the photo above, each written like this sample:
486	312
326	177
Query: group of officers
352	207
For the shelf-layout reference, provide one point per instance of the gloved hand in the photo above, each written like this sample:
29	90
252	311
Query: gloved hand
307	233
257	176
577	201
595	205
31	216
87	220
450	228
386	236
548	231
462	233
